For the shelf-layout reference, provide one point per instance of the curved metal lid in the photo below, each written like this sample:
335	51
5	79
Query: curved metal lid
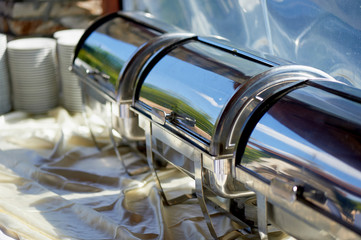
254	93
108	45
187	87
310	138
142	60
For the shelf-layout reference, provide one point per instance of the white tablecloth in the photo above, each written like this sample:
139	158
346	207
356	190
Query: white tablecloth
55	184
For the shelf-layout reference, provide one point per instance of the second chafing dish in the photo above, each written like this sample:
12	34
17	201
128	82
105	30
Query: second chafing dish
191	101
301	150
195	102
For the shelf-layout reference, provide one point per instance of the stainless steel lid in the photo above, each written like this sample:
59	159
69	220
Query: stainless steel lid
188	89
309	137
107	45
204	91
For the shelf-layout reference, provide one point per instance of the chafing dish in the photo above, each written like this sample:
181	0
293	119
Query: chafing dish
249	128
304	149
100	56
108	55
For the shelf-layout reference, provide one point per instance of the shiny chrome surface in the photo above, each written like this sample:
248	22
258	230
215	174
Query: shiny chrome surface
310	139
190	94
295	130
199	111
208	173
112	53
102	55
217	172
97	113
129	76
254	93
182	154
322	34
125	124
296	218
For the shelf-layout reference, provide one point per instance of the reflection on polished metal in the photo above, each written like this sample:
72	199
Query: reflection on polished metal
310	140
96	111
238	125
262	216
191	90
108	57
209	104
186	108
100	55
199	178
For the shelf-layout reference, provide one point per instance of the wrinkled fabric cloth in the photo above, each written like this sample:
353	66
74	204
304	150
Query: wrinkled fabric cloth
55	184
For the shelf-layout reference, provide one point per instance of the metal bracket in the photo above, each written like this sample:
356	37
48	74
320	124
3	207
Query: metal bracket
198	174
262	216
150	159
149	150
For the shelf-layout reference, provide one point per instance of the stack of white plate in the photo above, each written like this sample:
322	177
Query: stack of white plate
5	100
66	42
33	74
69	33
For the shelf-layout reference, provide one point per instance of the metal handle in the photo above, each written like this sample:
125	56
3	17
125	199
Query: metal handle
185	120
96	73
160	116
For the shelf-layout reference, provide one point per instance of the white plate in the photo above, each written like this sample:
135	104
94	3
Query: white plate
26	89
4	77
36	69
71	85
33	71
66	59
25	52
31	63
73	94
35	87
66	49
32	59
4	86
76	33
35	106
31	101
34	93
44	101
29	44
31	91
35	55
23	80
65	52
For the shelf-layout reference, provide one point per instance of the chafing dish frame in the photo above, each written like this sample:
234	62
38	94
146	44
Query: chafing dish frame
124	123
218	169
285	198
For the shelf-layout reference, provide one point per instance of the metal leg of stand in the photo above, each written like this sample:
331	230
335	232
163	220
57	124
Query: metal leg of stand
149	149
262	216
198	172
150	160
121	160
116	146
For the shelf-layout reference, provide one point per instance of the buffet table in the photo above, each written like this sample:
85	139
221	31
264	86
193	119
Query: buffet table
55	184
